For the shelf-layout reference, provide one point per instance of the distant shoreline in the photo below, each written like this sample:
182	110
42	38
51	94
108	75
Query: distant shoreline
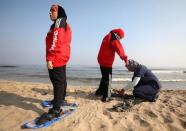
78	85
8	66
89	76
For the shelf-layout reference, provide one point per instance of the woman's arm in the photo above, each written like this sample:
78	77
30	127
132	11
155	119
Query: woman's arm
132	83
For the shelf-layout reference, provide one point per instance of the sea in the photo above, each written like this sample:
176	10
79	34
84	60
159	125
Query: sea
90	76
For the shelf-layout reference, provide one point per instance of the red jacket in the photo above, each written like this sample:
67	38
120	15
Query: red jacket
58	45
109	46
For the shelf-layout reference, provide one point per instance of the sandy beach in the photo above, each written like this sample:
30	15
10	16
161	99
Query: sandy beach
20	103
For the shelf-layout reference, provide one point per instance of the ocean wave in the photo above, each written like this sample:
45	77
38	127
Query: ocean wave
83	79
166	71
113	79
121	79
162	80
173	80
39	76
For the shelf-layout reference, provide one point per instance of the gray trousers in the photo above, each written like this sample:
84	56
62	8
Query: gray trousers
148	91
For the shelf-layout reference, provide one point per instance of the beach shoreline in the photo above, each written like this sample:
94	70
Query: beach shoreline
90	76
20	103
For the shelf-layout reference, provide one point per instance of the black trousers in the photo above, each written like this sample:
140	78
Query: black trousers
103	87
58	78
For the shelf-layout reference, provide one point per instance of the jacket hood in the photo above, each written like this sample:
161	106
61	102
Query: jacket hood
119	32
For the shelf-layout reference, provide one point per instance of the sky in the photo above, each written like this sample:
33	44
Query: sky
155	30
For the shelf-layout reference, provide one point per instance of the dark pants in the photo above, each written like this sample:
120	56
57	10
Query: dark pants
148	91
58	78
103	87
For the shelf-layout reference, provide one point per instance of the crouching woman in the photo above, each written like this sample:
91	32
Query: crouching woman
146	85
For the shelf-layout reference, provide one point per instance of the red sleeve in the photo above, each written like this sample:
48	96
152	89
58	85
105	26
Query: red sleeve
116	44
55	46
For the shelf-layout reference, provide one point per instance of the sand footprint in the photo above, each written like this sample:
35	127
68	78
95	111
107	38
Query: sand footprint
167	118
107	113
173	128
142	122
183	123
150	113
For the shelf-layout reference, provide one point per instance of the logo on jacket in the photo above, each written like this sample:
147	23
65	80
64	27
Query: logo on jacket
54	40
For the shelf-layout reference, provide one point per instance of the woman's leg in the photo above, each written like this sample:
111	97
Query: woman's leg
106	71
103	87
58	78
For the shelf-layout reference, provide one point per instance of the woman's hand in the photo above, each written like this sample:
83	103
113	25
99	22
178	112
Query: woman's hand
49	65
121	92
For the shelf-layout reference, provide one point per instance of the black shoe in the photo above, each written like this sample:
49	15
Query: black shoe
49	116
106	99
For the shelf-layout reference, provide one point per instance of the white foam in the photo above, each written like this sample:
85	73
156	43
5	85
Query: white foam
121	79
173	80
166	71
162	80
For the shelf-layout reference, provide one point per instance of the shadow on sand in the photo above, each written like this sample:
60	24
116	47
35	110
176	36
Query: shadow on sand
78	93
11	99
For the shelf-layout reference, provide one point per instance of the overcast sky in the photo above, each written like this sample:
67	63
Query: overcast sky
155	30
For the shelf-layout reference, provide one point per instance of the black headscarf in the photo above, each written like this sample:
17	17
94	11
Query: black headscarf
61	12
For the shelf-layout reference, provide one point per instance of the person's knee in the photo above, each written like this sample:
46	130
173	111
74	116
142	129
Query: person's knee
152	97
